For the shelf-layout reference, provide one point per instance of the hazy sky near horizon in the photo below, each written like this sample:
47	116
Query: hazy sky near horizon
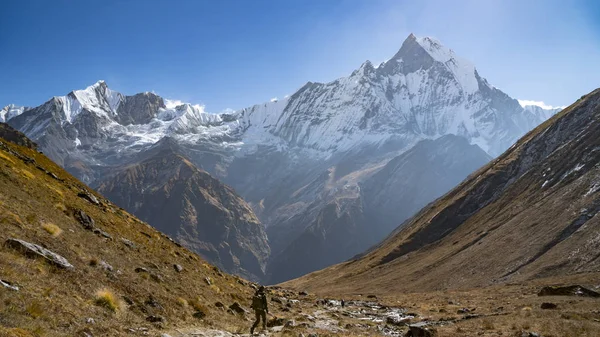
233	54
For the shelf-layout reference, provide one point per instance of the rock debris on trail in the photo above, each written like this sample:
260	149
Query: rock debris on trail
314	317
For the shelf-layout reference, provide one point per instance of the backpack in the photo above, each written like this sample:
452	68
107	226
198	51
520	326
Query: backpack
258	301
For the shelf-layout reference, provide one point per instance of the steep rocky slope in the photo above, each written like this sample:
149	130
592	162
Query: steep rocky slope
104	272
289	158
418	176
194	208
530	213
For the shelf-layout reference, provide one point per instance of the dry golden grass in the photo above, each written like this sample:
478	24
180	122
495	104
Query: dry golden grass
27	202
106	298
182	302
52	229
35	309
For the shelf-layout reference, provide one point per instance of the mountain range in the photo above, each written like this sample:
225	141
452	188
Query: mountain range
331	169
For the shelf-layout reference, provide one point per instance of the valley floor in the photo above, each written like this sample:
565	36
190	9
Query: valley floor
509	310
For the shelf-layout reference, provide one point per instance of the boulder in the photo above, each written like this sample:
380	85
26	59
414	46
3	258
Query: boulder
178	268
34	250
102	233
105	266
157	277
128	243
8	285
573	290
236	307
85	220
199	314
152	302
89	197
275	321
155	319
420	331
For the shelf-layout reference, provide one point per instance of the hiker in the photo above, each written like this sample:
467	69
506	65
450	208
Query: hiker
259	305
343	303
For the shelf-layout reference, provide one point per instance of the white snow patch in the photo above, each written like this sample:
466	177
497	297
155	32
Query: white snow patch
525	102
10	111
463	70
172	103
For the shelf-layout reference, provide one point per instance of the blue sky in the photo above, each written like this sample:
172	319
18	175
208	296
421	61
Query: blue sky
233	54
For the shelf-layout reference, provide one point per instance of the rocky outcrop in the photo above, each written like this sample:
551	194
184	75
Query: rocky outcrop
9	134
574	290
139	108
36	251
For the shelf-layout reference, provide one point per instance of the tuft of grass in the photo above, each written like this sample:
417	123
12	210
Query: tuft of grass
52	229
198	305
214	288
35	309
182	302
61	207
106	298
526	312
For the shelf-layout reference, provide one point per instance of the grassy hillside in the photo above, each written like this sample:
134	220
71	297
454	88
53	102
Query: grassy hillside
126	276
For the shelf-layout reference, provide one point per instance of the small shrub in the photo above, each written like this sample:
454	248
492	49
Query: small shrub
106	298
52	229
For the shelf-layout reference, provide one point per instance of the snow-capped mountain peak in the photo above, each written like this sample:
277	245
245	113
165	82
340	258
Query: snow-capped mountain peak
97	98
10	111
463	70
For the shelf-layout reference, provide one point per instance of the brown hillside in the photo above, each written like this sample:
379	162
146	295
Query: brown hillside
531	213
187	203
125	276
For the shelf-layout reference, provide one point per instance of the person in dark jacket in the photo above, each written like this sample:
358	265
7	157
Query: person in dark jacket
259	305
